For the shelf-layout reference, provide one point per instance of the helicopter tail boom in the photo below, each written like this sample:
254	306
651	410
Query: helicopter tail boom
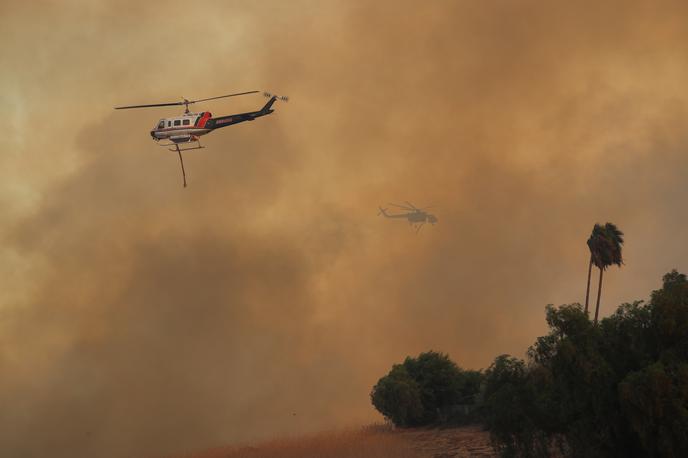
267	107
224	121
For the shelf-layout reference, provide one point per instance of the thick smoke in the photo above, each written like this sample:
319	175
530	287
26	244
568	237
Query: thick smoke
140	318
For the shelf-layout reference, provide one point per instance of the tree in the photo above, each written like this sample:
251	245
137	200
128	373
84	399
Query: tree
670	318
614	389
617	389
424	390
595	245
614	239
605	249
654	395
655	403
510	409
397	397
577	384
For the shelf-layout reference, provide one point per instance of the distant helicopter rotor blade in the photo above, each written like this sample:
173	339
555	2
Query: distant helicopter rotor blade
400	206
410	204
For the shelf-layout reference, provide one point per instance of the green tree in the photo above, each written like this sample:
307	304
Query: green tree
579	385
669	315
510	409
617	389
653	395
439	379
614	389
655	403
424	390
397	397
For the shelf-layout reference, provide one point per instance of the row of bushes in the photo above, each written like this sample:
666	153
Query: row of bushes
619	388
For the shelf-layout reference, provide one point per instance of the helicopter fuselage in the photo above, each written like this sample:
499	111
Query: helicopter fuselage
417	216
184	126
189	126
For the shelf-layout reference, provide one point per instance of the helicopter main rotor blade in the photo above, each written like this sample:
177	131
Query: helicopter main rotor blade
410	205
400	206
223	96
152	105
183	102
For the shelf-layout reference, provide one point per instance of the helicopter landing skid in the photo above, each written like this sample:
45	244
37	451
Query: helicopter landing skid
179	152
177	148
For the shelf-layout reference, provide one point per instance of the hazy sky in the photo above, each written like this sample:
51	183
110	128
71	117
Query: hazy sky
139	318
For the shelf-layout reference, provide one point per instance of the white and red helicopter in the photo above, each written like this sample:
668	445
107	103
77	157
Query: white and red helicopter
187	128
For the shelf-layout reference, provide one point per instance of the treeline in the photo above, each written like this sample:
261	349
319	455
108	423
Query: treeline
618	388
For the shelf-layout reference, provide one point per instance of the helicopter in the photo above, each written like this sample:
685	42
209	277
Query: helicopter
417	216
188	127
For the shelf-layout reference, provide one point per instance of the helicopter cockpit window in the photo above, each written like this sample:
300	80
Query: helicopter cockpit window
177	122
169	123
161	125
187	122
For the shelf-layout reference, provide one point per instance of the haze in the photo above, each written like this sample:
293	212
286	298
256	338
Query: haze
140	318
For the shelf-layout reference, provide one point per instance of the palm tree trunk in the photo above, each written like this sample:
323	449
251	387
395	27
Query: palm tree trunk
599	293
587	291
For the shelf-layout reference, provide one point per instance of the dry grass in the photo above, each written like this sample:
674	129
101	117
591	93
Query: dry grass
370	442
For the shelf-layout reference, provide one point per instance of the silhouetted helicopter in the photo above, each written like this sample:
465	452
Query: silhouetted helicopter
417	216
188	127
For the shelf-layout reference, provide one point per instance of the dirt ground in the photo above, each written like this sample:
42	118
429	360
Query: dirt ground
369	442
467	441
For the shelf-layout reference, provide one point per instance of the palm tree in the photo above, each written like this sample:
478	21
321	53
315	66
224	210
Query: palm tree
605	250
596	245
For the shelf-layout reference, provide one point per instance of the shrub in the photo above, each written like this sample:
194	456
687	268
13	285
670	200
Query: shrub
397	397
424	390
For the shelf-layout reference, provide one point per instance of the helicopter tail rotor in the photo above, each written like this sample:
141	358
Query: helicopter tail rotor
283	98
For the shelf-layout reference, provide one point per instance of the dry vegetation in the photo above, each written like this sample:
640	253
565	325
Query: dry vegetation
370	442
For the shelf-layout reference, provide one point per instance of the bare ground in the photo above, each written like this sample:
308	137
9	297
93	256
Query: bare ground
368	442
467	441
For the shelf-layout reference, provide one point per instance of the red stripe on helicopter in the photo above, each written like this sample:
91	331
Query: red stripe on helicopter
203	119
